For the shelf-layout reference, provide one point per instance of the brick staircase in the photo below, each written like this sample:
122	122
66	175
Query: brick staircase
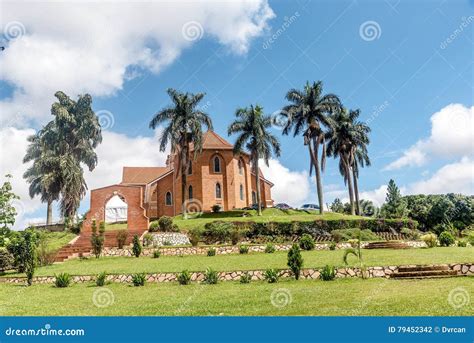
82	245
387	245
423	272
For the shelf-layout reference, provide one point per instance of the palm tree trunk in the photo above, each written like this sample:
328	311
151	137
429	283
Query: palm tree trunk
49	212
317	172
356	193
349	185
183	194
257	183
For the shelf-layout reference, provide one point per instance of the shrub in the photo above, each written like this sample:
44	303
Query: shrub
307	242
442	227
243	249
328	273
271	275
211	252
462	243
245	278
332	246
147	239
410	234
195	236
270	248
154	226
216	208
166	224
97	239
100	279
217	232
348	234
430	240
137	247
184	278
470	238
295	260
122	236
446	239
235	235
167	243
6	260
156	253
62	280
353	242
139	279
210	277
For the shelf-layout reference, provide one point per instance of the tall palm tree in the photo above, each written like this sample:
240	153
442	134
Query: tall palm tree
307	114
252	126
347	139
184	127
361	160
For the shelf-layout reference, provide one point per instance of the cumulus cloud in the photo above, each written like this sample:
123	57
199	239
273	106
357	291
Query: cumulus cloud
452	135
95	47
291	187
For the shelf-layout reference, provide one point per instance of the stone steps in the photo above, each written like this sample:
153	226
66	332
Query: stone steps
387	245
423	272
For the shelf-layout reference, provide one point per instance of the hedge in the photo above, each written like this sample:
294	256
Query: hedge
220	231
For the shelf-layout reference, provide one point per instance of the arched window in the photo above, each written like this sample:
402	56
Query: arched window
218	191
241	167
190	192
217	164
168	199
241	192
254	197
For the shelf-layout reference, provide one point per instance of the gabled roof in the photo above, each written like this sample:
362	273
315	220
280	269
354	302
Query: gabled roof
212	140
142	175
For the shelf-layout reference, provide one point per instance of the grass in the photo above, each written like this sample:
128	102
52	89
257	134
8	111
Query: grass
377	257
352	297
56	240
269	214
115	226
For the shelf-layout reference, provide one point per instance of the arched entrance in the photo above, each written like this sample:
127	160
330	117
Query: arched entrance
116	209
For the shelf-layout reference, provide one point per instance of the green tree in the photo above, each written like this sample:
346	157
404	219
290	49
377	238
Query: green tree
367	208
7	210
394	206
29	259
252	127
337	206
295	260
97	239
307	114
137	247
184	128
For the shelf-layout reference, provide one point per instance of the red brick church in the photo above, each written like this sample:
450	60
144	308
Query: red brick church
216	177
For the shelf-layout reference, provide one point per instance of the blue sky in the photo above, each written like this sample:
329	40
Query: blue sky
417	62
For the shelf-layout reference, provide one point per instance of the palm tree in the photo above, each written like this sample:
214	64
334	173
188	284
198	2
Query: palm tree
347	139
252	126
306	115
184	127
361	159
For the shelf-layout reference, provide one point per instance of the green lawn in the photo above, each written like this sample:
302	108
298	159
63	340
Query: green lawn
56	240
379	257
115	226
353	297
269	214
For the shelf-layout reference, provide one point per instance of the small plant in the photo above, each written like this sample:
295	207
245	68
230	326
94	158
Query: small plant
62	280
167	243
332	246
154	226
446	239
195	236
139	279
137	247
269	248
147	239
328	273
211	252
245	278
271	275
100	279
354	242
462	243
210	277
235	236
216	208
97	239
122	236
243	249
430	240
295	260
166	224
156	253
184	278
307	242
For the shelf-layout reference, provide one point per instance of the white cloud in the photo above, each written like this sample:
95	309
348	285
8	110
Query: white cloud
95	47
291	187
452	135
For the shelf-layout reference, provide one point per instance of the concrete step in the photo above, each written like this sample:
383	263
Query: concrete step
424	274
421	268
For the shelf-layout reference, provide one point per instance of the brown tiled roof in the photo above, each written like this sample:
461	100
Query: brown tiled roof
142	175
212	140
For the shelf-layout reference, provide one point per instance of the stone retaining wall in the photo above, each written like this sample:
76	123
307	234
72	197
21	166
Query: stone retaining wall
308	273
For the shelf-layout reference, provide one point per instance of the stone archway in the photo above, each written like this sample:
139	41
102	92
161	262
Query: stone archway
116	209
